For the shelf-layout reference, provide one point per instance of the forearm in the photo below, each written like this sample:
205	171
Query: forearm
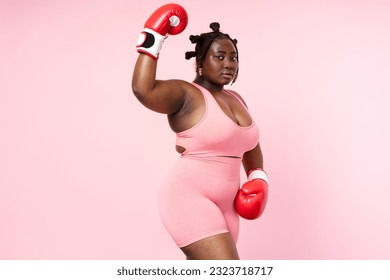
253	159
251	199
160	96
144	75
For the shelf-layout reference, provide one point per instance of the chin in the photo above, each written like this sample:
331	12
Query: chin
227	83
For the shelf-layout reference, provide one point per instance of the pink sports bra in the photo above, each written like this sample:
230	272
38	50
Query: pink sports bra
216	135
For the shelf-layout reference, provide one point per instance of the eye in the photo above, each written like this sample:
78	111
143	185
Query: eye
219	57
234	58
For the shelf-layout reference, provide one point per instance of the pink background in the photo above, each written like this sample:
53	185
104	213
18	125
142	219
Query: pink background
81	160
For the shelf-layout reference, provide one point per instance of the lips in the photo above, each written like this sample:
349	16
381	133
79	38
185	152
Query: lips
228	74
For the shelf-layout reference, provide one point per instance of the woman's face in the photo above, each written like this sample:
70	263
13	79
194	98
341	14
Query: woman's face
221	62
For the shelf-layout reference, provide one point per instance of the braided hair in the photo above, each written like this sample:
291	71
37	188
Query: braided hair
203	43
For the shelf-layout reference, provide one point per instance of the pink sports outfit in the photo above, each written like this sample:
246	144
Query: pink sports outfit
196	200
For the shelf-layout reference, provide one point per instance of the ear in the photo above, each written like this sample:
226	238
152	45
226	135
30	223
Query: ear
199	63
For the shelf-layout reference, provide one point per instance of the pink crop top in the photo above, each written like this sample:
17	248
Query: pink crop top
216	135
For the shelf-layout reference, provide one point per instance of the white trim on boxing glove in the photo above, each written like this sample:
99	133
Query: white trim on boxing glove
150	42
258	174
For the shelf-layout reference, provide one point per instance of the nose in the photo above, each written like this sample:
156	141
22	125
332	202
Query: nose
228	63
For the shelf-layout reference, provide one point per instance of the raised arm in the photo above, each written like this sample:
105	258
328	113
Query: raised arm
160	96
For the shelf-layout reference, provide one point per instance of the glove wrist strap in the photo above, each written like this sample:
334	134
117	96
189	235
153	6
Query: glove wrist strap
150	42
257	174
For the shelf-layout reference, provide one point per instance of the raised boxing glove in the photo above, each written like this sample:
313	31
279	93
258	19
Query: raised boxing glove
251	199
168	19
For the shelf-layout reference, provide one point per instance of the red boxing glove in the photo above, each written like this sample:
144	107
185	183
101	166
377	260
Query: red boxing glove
168	19
251	199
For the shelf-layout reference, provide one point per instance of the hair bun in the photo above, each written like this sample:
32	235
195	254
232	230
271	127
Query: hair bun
215	26
195	39
190	55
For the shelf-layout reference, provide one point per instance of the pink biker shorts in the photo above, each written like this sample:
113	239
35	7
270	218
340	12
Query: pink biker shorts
196	200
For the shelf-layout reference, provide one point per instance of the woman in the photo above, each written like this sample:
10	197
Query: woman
215	134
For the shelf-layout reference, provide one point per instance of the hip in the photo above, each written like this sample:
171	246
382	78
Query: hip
217	179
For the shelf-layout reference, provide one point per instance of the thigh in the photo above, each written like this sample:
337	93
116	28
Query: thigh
190	219
216	247
196	202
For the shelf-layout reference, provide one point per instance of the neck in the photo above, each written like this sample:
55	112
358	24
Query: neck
212	88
